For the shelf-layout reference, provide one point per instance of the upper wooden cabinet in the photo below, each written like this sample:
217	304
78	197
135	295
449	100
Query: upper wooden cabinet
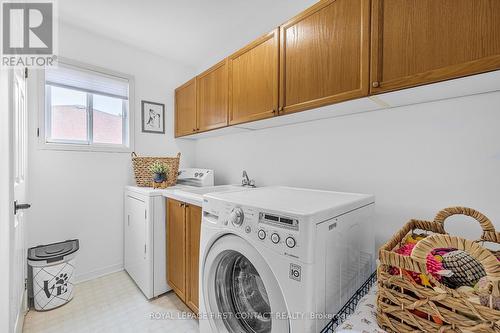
422	41
338	50
253	80
212	93
324	55
185	109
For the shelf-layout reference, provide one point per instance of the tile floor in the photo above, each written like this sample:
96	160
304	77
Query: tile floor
113	303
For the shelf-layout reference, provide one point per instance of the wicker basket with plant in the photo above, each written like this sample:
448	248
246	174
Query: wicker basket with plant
158	172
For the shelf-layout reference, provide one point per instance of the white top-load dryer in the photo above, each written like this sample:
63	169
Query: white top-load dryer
281	259
144	234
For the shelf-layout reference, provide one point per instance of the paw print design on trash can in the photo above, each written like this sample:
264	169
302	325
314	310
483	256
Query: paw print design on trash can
58	288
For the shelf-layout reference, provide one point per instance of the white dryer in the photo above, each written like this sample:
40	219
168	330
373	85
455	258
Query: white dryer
281	259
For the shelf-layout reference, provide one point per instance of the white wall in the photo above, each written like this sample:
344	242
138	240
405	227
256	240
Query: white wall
415	159
79	194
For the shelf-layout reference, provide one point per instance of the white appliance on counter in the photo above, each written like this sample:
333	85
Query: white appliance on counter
282	258
144	231
196	177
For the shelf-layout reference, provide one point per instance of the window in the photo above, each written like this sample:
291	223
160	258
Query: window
86	109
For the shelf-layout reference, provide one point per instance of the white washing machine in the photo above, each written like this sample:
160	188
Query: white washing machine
281	259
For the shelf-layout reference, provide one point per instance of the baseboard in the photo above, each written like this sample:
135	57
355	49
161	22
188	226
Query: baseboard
19	323
98	273
18	328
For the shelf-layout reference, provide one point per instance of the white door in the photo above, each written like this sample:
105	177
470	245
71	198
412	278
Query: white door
19	167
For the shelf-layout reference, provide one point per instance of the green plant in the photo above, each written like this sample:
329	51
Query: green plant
158	168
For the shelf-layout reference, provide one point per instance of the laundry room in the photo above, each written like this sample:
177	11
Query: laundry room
250	166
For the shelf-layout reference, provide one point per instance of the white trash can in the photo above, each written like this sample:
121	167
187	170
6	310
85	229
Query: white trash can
50	274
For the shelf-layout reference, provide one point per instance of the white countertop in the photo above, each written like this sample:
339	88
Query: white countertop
189	194
317	204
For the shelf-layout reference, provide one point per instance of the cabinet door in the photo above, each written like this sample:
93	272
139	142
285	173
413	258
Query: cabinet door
212	93
193	223
416	42
176	247
324	55
253	80
185	109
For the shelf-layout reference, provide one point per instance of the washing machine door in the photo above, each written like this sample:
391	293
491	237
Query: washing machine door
240	290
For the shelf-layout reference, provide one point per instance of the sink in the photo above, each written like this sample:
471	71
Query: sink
194	195
211	189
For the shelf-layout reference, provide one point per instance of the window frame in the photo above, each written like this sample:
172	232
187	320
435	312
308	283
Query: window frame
128	119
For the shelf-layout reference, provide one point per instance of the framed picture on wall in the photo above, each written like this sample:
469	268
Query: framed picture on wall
153	117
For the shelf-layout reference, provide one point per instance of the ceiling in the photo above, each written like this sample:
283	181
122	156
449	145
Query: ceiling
197	33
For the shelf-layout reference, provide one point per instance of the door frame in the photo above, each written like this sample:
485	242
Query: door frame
6	195
19	246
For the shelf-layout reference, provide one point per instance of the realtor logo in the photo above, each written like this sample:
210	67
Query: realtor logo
28	34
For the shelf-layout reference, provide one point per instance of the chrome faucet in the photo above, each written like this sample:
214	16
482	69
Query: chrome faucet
247	181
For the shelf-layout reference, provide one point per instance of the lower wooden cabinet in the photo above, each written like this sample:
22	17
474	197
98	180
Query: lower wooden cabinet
176	247
193	229
183	244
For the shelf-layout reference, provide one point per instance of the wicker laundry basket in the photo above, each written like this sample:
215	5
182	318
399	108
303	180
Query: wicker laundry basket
406	306
144	177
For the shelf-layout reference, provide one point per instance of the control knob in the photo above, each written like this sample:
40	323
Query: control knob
275	238
236	217
261	234
290	242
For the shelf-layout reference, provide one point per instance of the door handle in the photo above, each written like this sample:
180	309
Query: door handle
20	207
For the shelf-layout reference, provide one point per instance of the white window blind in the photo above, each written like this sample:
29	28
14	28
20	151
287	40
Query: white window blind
87	108
89	81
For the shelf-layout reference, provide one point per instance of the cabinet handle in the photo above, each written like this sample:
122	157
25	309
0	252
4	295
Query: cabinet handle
181	204
194	129
280	108
197	129
375	84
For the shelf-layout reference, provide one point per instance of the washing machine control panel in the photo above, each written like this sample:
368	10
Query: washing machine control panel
276	231
280	229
